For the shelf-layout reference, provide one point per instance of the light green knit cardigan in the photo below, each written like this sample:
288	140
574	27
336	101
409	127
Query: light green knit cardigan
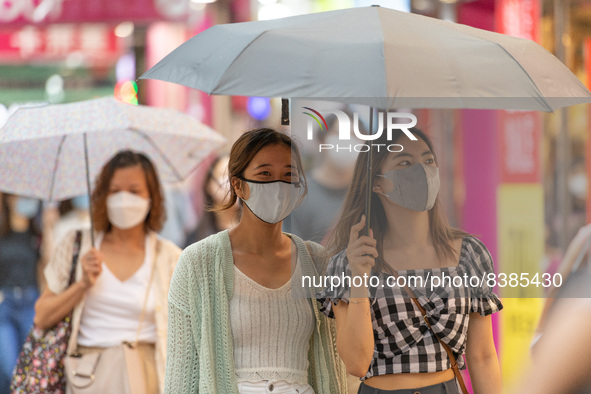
200	351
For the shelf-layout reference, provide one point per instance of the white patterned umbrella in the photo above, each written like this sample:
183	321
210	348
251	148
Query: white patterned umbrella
42	149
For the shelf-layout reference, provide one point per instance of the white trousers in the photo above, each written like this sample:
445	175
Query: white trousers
274	387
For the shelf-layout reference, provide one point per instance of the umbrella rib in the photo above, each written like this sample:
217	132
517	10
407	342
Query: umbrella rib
55	165
541	96
162	155
381	29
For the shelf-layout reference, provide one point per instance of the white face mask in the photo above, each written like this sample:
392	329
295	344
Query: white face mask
273	201
577	185
126	210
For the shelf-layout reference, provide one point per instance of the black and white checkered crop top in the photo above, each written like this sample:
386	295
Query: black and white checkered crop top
403	342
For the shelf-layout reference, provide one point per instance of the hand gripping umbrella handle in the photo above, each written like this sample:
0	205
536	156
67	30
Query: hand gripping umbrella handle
284	112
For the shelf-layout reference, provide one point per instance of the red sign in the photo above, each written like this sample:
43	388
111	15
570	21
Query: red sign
93	43
518	18
519	139
20	12
520	132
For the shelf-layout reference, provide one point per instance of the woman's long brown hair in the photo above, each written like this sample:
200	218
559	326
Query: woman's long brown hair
354	207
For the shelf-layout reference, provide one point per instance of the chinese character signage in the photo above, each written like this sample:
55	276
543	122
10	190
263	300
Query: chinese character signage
95	43
21	12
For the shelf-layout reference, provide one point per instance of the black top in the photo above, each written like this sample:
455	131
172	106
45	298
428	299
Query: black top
207	226
19	254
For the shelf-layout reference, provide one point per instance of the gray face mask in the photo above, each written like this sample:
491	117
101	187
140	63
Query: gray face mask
415	187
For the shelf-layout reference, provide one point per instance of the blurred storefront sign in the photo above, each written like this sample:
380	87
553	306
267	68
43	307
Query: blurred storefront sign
520	132
519	18
520	202
94	44
504	194
21	12
588	143
519	139
161	38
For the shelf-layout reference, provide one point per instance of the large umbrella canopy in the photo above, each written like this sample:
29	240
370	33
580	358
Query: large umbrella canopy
374	56
42	149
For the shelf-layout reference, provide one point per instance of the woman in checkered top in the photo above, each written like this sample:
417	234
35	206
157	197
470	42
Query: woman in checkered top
382	335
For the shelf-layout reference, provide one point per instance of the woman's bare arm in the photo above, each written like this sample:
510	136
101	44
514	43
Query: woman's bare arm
50	308
481	355
355	342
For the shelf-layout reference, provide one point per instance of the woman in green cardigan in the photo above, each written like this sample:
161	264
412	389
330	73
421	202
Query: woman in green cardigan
235	322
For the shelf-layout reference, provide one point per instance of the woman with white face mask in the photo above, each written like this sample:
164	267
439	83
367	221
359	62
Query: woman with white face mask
406	326
240	320
121	286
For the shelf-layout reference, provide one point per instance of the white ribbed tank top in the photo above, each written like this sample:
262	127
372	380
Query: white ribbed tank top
113	308
271	331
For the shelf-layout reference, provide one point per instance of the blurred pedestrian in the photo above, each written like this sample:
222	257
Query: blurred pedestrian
394	337
327	188
216	190
74	214
20	242
234	325
180	215
562	357
569	268
112	278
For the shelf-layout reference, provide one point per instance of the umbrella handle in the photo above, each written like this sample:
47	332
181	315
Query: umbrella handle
284	112
88	190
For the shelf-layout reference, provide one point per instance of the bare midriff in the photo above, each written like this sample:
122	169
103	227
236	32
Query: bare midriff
409	380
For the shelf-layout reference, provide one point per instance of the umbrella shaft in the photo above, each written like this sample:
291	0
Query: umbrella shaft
88	190
369	177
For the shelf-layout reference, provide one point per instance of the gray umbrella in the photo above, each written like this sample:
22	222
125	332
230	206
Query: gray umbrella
375	56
